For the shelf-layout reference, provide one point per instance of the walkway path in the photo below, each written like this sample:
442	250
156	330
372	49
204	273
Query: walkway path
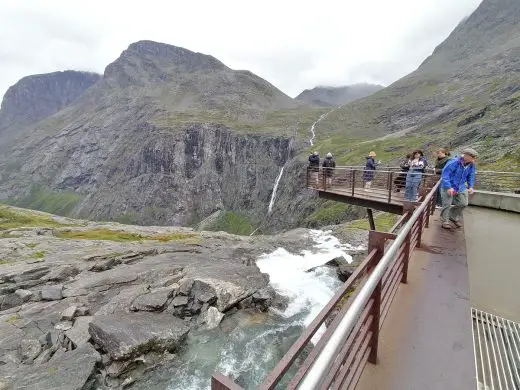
426	341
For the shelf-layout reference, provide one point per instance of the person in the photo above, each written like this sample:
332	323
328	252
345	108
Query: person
457	181
414	176
329	164
370	168
400	180
443	156
314	166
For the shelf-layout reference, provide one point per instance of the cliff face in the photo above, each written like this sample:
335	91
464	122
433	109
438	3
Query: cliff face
39	96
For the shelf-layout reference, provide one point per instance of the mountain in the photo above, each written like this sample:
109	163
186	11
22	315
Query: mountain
467	93
337	96
36	97
167	136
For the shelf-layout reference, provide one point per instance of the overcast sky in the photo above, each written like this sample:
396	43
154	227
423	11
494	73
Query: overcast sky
293	44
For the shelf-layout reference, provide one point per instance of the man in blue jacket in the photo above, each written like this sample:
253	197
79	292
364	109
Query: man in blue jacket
457	181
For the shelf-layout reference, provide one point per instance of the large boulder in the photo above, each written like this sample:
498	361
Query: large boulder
125	336
68	371
227	294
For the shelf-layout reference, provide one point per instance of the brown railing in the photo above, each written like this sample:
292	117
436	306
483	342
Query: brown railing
351	337
385	185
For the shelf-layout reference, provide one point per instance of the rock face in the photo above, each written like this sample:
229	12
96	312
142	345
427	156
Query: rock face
70	371
337	96
126	336
36	97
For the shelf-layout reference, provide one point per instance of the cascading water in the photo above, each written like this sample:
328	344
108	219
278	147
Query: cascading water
273	195
323	116
247	346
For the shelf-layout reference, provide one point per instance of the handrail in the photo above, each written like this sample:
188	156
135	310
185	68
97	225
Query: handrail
327	355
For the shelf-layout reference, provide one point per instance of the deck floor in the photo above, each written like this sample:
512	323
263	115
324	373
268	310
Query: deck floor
426	340
377	194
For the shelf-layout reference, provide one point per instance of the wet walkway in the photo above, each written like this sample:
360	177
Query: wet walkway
493	248
426	341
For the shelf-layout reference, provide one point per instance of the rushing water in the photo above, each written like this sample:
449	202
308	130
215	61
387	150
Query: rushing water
247	346
323	116
273	195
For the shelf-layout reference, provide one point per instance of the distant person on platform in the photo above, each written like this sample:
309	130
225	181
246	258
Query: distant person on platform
443	156
414	176
370	168
400	180
329	164
457	182
314	166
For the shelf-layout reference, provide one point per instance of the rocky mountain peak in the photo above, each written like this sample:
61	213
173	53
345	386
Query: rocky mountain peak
38	96
333	96
156	61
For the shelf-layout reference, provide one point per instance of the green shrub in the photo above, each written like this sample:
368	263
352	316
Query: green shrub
232	223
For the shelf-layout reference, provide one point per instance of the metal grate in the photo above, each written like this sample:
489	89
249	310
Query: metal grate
497	351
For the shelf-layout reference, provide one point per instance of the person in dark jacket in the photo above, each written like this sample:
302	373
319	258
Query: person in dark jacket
314	167
370	168
443	156
414	176
457	182
329	164
400	180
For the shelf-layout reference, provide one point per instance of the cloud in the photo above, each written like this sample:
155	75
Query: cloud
293	44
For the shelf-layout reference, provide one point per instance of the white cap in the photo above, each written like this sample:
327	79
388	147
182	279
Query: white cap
329	154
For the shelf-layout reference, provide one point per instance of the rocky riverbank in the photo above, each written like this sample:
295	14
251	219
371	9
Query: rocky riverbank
86	305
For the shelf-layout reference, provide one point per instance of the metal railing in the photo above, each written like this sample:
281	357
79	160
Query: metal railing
392	179
385	185
351	338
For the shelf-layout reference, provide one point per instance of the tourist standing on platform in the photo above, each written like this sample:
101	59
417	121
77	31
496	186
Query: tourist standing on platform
370	168
443	156
400	180
414	175
314	167
329	164
457	181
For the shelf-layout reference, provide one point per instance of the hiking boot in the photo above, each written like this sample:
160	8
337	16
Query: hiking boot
457	223
446	225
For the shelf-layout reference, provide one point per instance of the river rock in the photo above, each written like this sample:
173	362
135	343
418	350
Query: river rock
62	273
128	335
82	311
79	334
344	271
228	294
63	325
69	313
179	301
185	286
105	265
154	301
9	301
52	293
30	349
212	317
70	371
25	295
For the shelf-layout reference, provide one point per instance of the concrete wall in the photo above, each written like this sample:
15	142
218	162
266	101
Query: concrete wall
496	200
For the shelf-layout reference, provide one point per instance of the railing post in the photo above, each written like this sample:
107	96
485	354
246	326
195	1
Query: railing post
222	382
376	240
421	224
374	326
406	259
390	187
353	181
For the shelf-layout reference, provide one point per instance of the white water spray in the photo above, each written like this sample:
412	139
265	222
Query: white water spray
273	195
323	116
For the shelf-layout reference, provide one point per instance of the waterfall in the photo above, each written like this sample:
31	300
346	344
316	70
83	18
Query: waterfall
323	116
273	195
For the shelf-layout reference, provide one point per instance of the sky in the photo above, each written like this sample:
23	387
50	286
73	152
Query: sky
295	45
